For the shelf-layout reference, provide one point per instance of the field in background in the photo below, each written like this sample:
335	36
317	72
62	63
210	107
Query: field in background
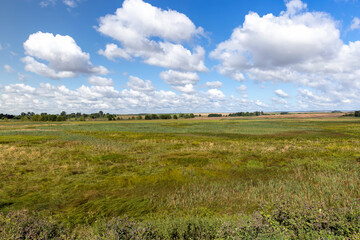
80	172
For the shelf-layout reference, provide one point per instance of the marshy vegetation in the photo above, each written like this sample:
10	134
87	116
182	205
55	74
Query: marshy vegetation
181	179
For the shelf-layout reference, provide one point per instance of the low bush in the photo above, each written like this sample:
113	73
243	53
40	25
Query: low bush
271	221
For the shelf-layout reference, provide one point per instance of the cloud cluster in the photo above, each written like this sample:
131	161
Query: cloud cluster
152	34
64	57
297	46
180	81
139	96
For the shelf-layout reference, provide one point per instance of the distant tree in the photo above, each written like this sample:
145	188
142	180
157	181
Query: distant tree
25	118
36	118
63	114
60	118
165	116
51	118
215	115
139	117
357	113
154	116
110	117
82	118
147	117
101	114
175	116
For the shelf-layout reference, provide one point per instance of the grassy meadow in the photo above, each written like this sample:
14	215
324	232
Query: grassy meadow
218	175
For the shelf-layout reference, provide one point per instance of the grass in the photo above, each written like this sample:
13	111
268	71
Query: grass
80	172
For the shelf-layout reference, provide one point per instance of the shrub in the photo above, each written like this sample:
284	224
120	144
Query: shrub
215	115
22	225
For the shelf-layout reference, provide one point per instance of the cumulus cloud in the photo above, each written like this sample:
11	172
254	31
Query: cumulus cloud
355	23
180	81
140	85
100	81
136	26
271	42
8	69
296	46
215	94
214	84
64	57
281	93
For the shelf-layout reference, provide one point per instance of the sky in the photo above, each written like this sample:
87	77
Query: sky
162	56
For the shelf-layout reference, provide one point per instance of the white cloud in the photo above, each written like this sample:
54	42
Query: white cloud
1	48
270	42
294	6
297	46
281	93
8	69
100	81
180	81
135	26
65	58
214	84
112	51
355	24
140	85
179	78
215	94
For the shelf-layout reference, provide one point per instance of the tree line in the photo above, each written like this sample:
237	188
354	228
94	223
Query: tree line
63	116
237	114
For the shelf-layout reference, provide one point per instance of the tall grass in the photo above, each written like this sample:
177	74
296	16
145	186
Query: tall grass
82	172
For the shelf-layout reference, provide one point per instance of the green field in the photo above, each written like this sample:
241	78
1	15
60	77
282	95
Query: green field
173	172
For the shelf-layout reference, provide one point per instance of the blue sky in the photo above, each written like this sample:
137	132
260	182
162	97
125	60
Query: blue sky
138	56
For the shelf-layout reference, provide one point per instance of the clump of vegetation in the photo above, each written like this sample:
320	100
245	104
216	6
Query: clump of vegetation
276	220
215	115
246	114
25	225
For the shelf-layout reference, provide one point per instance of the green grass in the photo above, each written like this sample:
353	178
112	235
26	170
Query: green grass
83	171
